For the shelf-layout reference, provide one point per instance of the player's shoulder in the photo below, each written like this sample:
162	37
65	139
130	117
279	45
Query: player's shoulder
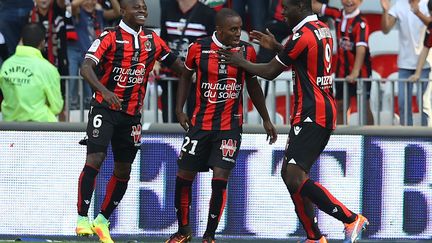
207	40
310	31
149	33
109	30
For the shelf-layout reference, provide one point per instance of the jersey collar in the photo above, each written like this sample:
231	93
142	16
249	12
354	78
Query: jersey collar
351	15
309	18
128	29
218	43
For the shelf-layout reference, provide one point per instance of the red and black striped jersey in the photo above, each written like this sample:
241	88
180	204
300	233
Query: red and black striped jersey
124	60
309	51
428	37
219	101
352	30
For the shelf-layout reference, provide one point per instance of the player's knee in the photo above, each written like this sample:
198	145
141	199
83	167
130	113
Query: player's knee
122	170
291	179
95	159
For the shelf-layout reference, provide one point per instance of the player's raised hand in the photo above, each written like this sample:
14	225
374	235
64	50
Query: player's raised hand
266	40
271	131
228	57
112	99
414	6
184	120
385	4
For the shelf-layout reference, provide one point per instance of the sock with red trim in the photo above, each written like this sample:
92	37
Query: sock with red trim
306	214
217	205
326	202
86	186
182	201
115	190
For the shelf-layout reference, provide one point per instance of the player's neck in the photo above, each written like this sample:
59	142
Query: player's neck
186	5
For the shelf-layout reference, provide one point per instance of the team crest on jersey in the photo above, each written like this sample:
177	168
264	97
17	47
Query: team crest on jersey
135	57
148	45
228	147
136	133
223	69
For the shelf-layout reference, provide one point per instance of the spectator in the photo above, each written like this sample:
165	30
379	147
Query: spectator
13	17
89	21
276	25
30	84
214	4
411	30
51	14
353	57
106	5
427	44
256	13
182	22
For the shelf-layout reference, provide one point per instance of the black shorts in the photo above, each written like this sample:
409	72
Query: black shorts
306	141
122	130
202	149
352	90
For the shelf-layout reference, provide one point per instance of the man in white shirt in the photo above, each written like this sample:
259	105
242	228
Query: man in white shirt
411	33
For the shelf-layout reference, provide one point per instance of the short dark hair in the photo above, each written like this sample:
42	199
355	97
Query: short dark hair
430	5
224	14
305	5
33	34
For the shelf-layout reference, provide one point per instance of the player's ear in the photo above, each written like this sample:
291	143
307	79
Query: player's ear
218	28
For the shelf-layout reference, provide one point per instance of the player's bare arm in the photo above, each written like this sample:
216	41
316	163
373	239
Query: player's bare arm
184	86
416	10
267	40
387	21
268	70
87	71
257	97
358	63
177	67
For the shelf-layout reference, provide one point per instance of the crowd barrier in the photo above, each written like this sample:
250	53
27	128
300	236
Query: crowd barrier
279	101
384	172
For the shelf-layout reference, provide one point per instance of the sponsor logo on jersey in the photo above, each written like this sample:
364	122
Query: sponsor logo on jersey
221	91
128	77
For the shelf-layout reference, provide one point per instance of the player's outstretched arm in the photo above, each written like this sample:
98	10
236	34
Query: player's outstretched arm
257	97
268	70
184	85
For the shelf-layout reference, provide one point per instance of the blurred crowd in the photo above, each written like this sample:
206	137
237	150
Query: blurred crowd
72	25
